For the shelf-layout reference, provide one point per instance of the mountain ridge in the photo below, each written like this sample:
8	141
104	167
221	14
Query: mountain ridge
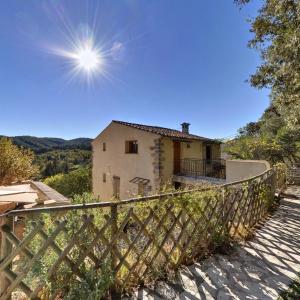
44	144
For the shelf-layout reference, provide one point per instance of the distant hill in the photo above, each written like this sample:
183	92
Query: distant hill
44	144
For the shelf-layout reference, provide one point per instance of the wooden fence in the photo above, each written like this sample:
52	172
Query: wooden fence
125	243
295	173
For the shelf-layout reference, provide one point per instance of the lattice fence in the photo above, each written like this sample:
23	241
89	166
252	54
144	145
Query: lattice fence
125	243
295	173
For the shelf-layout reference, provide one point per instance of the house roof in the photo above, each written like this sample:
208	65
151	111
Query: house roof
21	193
29	194
168	132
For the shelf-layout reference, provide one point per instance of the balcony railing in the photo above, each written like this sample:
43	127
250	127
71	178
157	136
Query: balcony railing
200	167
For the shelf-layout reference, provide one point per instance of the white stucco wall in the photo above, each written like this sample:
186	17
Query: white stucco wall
195	150
242	169
115	162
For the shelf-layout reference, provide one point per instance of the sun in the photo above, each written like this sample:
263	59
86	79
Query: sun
88	58
85	58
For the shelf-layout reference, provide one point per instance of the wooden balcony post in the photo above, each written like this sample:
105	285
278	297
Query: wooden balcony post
5	250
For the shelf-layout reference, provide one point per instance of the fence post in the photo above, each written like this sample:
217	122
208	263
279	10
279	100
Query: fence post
114	243
274	182
5	249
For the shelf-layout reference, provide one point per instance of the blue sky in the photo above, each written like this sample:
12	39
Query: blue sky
165	62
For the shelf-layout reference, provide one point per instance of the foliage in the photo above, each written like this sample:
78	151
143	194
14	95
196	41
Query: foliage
94	286
62	161
96	279
277	37
15	163
293	292
75	182
276	136
269	138
41	145
54	155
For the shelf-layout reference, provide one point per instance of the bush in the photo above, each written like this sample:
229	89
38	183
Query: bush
94	286
74	183
96	279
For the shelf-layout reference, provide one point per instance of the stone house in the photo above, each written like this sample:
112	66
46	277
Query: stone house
134	159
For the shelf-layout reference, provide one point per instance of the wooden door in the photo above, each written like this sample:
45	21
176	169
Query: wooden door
176	147
208	161
116	187
208	153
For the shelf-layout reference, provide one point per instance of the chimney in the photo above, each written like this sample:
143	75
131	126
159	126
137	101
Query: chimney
185	127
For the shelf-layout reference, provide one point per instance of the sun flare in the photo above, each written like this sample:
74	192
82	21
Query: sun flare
88	58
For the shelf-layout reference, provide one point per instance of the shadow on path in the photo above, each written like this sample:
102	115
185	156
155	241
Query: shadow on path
261	269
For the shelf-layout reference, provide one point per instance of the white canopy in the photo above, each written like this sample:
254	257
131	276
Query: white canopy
22	193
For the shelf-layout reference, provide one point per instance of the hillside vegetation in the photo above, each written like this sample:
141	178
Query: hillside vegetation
44	144
56	156
62	161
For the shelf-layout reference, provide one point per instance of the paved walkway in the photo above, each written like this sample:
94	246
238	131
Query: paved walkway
259	270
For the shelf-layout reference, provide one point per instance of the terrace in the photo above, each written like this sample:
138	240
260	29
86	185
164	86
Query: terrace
193	171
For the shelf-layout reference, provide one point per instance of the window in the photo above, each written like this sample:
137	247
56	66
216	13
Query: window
131	147
104	146
104	177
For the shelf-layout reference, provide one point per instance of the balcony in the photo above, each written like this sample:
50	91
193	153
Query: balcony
200	168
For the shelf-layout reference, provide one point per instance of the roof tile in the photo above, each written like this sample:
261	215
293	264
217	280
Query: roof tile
172	133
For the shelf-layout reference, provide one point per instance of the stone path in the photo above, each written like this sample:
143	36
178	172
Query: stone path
259	270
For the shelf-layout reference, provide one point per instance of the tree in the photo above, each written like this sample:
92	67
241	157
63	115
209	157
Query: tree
16	164
62	161
276	136
277	37
269	139
74	183
251	129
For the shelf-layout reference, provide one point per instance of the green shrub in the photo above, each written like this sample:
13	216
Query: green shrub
96	278
74	183
94	286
